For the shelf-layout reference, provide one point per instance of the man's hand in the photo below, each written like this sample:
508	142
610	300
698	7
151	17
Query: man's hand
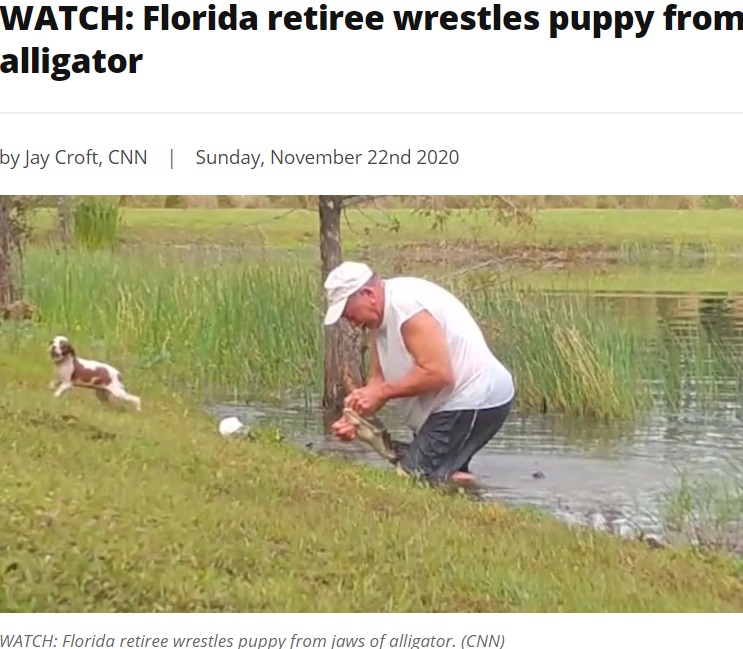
367	400
344	429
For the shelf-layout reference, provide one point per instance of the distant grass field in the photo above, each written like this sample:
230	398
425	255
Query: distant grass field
658	250
712	230
110	510
631	278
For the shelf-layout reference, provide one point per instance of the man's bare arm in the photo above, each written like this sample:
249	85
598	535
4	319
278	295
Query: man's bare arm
375	370
426	343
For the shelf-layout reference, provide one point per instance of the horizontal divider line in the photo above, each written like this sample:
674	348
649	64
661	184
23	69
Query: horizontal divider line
412	113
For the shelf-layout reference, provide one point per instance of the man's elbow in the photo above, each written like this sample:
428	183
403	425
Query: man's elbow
445	379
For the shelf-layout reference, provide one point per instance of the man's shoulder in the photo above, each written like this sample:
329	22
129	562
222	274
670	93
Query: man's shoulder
408	292
420	290
406	283
409	295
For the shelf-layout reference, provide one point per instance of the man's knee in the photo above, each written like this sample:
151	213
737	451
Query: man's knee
448	440
431	454
486	425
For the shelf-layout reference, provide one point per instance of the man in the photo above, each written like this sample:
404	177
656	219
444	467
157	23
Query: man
428	353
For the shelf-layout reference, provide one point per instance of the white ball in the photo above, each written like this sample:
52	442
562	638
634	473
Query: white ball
229	426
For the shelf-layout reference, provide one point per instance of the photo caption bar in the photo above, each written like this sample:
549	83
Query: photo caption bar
367	631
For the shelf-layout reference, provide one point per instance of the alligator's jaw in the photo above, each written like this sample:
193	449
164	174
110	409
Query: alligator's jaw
375	435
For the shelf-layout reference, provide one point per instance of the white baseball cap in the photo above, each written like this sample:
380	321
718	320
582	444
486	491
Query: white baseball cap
342	282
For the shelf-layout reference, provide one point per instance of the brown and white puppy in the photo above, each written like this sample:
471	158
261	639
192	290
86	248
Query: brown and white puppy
73	371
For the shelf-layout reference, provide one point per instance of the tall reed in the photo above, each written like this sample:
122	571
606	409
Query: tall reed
247	328
223	328
96	222
568	355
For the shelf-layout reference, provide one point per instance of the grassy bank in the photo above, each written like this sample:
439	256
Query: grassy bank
633	231
110	510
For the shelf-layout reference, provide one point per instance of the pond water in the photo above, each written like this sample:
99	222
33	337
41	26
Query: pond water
616	477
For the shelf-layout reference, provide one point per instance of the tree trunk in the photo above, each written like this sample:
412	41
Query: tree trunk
63	219
343	344
6	249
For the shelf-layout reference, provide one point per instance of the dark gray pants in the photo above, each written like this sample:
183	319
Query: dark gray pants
448	440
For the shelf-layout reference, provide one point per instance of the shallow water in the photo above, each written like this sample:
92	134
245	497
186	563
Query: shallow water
610	483
615	477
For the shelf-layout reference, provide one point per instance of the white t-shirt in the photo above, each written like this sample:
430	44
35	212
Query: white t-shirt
480	379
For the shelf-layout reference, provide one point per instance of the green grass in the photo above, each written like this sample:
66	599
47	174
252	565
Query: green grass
219	329
106	509
567	355
714	229
227	329
633	231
